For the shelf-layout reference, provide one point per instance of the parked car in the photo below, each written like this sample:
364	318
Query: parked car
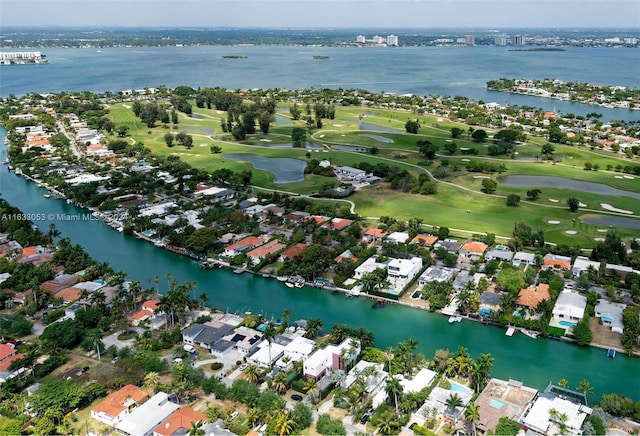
365	418
296	397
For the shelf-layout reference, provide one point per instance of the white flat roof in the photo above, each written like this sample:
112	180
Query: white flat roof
420	381
571	304
148	416
539	417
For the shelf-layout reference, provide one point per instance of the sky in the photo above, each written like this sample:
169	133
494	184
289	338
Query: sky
322	13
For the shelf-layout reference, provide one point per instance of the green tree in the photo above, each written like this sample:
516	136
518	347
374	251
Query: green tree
451	148
583	333
314	325
533	194
412	126
479	135
489	186
456	132
427	148
330	426
452	403
573	204
507	427
472	414
513	200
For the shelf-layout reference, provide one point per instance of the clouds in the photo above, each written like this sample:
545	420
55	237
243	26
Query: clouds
322	13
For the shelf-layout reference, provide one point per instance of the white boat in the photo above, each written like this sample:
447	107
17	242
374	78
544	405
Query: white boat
455	318
531	333
282	278
47	195
289	284
298	284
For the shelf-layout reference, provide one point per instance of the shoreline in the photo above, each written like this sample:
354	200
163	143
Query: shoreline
590	103
379	301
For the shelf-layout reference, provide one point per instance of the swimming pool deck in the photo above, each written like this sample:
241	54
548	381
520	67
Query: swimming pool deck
513	395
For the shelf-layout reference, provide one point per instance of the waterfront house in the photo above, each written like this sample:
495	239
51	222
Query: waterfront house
502	399
299	348
435	274
611	314
401	271
542	416
150	310
489	303
368	266
345	255
293	251
533	295
266	355
179	422
473	249
556	261
118	405
248	243
147	417
570	307
257	254
331	358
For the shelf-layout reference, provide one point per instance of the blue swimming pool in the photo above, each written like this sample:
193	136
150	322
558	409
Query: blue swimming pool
496	404
457	387
567	324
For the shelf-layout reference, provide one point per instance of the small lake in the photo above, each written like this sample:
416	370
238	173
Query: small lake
351	148
286	170
282	121
561	183
307	145
205	130
197	116
612	221
377	128
377	138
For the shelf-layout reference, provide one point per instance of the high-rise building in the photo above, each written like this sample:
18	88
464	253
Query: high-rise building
500	40
470	40
360	39
392	40
518	40
379	40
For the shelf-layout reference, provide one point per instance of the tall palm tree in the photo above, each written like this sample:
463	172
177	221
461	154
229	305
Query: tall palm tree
472	414
585	387
279	383
252	373
269	335
286	316
196	429
151	380
314	325
311	386
453	402
395	389
204	298
283	425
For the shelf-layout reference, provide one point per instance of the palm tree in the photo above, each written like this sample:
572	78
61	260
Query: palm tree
269	335
311	386
454	401
314	325
563	382
196	429
283	424
286	316
53	232
204	298
151	380
252	373
472	414
394	388
585	387
279	383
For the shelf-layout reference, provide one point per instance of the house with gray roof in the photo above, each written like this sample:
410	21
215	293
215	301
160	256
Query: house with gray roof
521	257
611	314
501	255
489	302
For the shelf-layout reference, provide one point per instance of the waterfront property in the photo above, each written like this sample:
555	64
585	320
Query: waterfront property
331	358
533	295
548	414
611	314
502	399
401	271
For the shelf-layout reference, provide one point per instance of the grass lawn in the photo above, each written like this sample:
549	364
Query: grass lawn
447	208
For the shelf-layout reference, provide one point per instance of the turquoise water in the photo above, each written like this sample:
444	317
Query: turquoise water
148	233
567	324
496	404
457	387
100	282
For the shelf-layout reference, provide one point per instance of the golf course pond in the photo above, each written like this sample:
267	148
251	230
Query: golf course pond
285	169
561	183
377	138
611	221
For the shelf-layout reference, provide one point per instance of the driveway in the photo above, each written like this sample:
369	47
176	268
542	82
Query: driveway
112	339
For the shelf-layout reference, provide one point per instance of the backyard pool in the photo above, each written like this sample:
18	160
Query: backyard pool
457	387
567	324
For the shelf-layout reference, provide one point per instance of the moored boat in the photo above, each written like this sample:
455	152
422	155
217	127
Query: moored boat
531	333
611	353
289	284
455	318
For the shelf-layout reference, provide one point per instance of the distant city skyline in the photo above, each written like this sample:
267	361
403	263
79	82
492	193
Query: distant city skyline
380	14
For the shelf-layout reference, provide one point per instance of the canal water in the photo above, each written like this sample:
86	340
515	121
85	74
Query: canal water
535	362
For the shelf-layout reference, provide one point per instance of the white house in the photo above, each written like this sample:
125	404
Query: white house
145	418
401	271
299	348
374	377
582	264
569	306
266	355
539	417
522	257
398	237
331	358
611	314
435	274
246	340
369	265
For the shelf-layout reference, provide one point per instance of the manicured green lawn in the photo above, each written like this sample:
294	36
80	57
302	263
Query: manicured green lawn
448	208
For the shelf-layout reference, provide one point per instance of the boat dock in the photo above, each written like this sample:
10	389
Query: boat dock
510	331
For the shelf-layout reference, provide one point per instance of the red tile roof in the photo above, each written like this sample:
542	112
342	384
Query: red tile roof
118	401
69	294
474	247
180	419
294	251
428	240
532	296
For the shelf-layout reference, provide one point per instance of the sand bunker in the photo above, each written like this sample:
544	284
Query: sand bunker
608	207
265	140
598	239
553	200
618	177
629	177
481	177
338	125
464	160
581	204
126	106
553	222
570	232
602	230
